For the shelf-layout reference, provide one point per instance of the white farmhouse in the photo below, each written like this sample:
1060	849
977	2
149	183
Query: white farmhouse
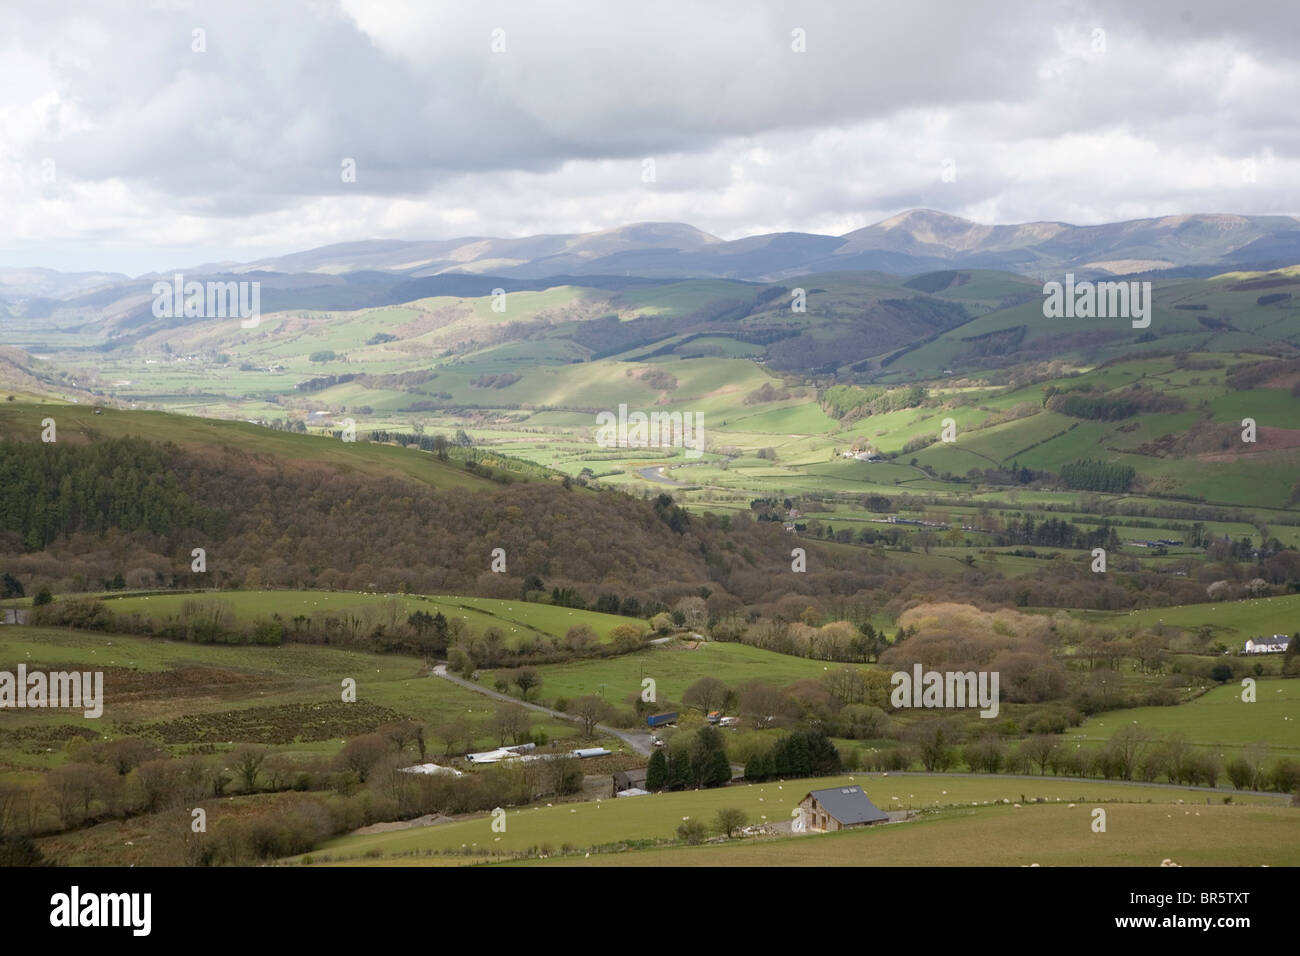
1277	644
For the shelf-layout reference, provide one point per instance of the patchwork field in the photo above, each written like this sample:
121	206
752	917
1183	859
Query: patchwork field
288	696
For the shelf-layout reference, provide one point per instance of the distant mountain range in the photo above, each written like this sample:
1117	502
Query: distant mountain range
917	241
376	272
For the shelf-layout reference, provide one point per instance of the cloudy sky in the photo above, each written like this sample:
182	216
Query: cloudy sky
141	136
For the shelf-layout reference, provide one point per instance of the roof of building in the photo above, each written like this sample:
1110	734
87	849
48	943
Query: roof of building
631	776
431	768
849	805
491	756
1275	639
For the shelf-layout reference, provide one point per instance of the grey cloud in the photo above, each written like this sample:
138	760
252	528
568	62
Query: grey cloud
548	136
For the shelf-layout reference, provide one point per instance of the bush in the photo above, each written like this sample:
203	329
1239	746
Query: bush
1286	776
898	758
1047	722
85	613
852	759
729	820
692	831
19	851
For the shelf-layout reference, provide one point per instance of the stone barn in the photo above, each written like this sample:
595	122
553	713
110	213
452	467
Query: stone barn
629	780
839	808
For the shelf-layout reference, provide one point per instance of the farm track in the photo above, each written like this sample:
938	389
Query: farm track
638	742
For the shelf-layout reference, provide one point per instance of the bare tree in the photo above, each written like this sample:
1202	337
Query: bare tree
160	784
401	733
279	770
1127	747
590	711
707	693
127	753
1040	750
510	722
847	685
199	778
74	787
695	613
360	754
14	797
457	735
247	762
764	705
935	742
580	637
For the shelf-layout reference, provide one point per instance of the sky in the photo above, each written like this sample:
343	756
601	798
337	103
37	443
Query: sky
142	136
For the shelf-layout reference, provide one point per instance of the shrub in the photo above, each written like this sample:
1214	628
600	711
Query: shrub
692	831
729	820
1286	776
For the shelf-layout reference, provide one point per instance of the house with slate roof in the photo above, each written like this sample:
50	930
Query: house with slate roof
1276	644
839	808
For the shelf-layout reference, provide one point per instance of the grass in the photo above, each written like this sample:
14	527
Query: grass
1231	621
673	669
657	816
162	680
1218	718
1136	835
518	619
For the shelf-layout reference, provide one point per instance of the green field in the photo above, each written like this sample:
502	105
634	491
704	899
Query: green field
656	817
151	680
1218	718
1231	621
1136	835
517	619
673	668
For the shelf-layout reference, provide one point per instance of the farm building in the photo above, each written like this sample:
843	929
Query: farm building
431	768
839	808
1276	644
501	753
629	780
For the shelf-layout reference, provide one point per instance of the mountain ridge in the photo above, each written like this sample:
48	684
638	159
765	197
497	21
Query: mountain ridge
908	243
911	242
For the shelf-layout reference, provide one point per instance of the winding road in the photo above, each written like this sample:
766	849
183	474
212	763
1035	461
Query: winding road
655	473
